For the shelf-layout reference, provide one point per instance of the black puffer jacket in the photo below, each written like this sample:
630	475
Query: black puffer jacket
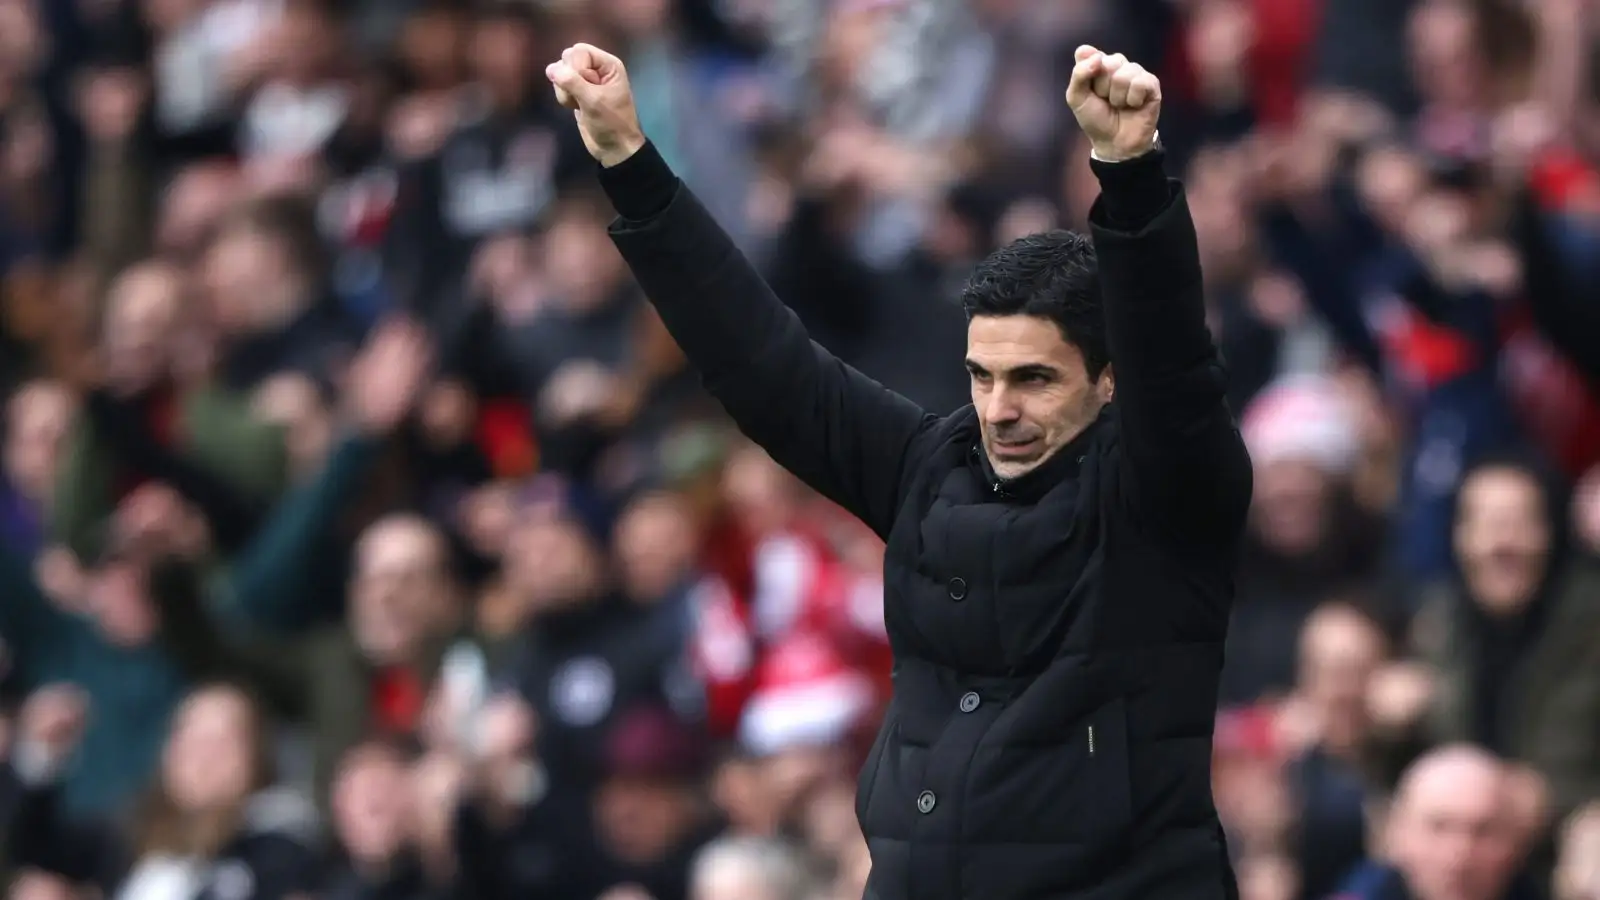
1059	637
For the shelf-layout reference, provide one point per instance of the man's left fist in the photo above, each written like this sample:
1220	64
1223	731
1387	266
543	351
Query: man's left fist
1117	104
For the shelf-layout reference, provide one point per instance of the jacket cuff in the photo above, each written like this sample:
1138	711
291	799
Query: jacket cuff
1133	192
642	186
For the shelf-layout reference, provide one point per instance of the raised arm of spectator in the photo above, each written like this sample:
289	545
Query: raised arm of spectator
269	585
41	836
836	429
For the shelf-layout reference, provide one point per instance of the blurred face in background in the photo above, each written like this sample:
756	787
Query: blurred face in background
210	761
1449	834
1502	538
1218	177
196	201
143	313
1339	650
552	564
637	19
656	545
119	601
501	56
584	267
1290	509
1389	180
830	819
852	39
306	42
642	820
1577	874
761	495
1586	511
1444	55
252	282
166	16
37	419
431	45
400	592
36	885
733	881
372	805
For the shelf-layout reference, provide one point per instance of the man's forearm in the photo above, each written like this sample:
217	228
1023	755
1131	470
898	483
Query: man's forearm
840	432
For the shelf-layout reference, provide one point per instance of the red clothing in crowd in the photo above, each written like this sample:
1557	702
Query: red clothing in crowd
798	586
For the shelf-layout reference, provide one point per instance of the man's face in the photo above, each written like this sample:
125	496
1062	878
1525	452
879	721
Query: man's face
141	315
1031	389
500	54
1454	843
1502	538
397	589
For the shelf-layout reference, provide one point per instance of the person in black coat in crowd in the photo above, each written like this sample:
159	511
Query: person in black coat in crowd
1060	554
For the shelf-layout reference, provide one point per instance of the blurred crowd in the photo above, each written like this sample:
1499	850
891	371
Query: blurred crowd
365	535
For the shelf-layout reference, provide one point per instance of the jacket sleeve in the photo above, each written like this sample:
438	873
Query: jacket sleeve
837	430
1185	466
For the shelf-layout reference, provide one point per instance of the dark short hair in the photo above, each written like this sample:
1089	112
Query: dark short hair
1051	275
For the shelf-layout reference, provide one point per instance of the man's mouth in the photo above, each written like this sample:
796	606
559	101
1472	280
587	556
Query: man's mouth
1014	447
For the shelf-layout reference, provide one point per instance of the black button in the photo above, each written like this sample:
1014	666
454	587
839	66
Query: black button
958	589
926	802
970	701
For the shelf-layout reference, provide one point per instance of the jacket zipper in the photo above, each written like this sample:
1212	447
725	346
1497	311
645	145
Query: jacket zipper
1091	740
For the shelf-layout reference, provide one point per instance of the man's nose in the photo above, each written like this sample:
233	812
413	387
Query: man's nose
1001	408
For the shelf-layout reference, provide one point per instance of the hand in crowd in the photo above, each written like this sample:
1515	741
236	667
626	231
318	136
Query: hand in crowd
386	378
579	391
155	521
62	578
1399	695
506	772
52	722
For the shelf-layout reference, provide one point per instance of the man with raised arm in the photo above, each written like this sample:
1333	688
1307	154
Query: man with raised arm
1060	553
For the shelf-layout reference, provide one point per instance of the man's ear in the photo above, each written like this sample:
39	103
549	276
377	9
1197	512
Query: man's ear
1106	384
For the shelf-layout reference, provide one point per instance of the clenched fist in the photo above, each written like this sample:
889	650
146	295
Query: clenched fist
594	85
1117	104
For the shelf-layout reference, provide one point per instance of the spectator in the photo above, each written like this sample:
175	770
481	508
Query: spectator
1449	833
1508	643
213	822
750	868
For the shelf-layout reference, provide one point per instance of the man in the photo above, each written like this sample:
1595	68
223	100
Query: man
1451	834
1060	553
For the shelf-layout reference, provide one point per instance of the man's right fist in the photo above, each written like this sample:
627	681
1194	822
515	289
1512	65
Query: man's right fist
594	85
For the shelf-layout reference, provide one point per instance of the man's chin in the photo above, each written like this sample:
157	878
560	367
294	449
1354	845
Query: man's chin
1015	460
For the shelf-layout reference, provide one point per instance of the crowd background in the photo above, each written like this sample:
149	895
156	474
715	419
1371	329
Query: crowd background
365	536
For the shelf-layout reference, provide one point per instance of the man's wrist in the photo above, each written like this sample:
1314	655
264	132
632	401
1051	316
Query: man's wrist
641	186
624	152
1113	155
